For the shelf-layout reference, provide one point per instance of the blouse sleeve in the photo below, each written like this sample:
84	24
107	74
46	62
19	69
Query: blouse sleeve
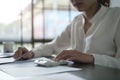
60	43
109	61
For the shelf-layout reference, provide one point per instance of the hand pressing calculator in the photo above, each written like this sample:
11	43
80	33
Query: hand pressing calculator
49	63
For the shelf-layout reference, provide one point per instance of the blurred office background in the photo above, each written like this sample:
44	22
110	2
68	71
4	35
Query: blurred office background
30	23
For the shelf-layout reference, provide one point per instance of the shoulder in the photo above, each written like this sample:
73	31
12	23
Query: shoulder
114	10
78	17
113	13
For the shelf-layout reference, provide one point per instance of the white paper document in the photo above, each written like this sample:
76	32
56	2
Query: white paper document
37	71
4	76
6	55
60	76
6	60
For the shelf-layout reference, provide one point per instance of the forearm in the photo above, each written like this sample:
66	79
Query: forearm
108	61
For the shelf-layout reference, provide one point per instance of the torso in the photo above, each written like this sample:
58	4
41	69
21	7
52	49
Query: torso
100	33
87	25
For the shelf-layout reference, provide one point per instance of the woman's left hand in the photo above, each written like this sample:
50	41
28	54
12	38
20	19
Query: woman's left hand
74	55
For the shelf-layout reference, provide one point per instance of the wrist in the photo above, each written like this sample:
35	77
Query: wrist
91	59
88	59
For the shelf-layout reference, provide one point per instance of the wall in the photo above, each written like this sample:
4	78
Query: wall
115	3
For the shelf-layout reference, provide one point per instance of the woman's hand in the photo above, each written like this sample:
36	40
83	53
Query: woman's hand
22	54
74	55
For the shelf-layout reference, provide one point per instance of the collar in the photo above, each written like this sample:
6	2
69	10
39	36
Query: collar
101	12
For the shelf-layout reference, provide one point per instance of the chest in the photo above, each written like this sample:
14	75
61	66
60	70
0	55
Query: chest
86	26
97	34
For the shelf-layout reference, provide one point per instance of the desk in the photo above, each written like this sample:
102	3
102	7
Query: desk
88	72
97	72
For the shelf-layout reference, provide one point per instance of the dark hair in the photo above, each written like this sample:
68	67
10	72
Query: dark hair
104	2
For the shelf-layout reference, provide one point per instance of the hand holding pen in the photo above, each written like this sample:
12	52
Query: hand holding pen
23	54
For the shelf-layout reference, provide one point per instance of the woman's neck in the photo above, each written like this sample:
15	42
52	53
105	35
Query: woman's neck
88	14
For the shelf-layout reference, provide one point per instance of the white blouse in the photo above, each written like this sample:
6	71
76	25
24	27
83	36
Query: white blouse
102	40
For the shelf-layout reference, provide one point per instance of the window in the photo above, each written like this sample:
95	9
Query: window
37	21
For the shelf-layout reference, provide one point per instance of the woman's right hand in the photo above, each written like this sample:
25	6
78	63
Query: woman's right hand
22	53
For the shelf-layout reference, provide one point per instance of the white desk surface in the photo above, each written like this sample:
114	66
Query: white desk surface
27	70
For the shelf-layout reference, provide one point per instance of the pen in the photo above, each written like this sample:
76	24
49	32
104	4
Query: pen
29	52
20	56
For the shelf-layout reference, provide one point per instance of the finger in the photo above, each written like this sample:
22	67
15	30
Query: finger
20	52
71	59
58	56
65	57
25	56
62	56
17	53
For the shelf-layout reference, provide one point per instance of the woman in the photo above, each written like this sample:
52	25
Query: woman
92	37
